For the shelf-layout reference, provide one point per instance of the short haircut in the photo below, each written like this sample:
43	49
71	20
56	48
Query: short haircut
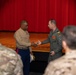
53	21
69	36
23	21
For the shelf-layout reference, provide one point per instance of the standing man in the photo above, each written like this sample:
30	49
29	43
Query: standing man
66	65
55	40
23	45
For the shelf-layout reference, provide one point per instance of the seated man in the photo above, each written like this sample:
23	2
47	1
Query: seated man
65	65
10	62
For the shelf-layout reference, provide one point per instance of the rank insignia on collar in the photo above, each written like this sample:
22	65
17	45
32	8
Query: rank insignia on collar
59	32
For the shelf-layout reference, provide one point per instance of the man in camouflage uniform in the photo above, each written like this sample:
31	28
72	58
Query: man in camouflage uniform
10	62
65	65
55	40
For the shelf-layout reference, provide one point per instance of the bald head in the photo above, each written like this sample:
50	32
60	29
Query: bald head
24	24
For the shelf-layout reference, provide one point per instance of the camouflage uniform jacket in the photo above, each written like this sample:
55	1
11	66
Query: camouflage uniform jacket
66	65
10	62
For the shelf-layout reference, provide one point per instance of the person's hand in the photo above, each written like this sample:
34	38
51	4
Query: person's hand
31	52
52	53
39	42
33	44
32	57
